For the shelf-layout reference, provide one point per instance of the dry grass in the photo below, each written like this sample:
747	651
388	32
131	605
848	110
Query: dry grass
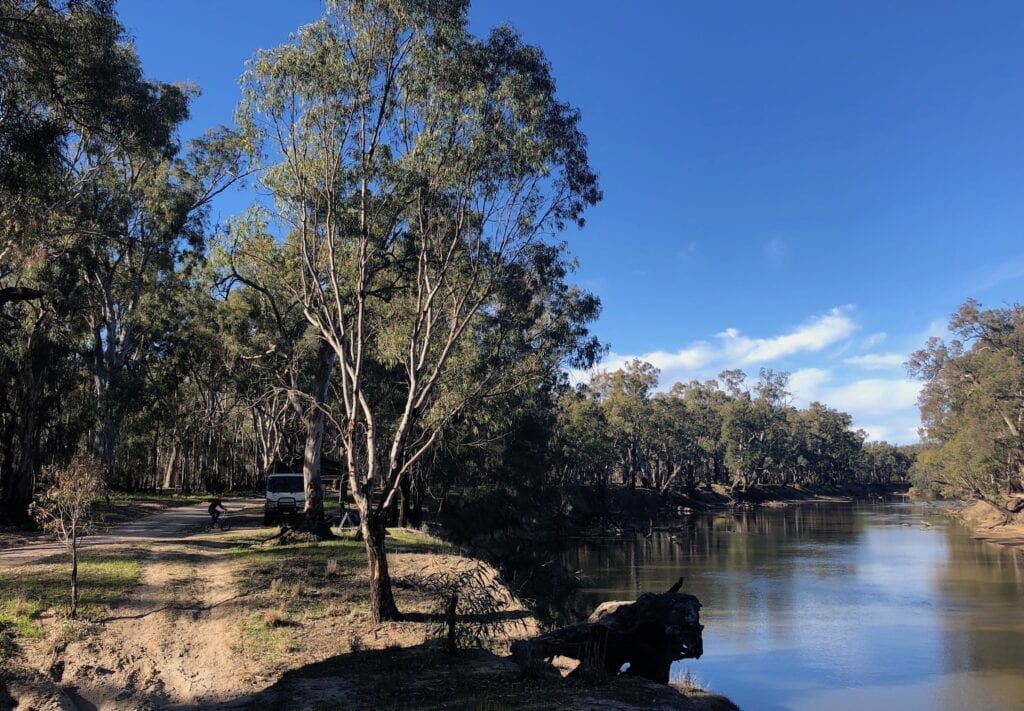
289	589
324	588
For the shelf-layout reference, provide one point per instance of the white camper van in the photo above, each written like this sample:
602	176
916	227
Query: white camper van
286	494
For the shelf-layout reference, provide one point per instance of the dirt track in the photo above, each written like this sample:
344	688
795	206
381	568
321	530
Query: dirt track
169	643
169	525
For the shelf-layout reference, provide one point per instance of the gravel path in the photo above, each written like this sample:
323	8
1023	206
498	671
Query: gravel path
170	525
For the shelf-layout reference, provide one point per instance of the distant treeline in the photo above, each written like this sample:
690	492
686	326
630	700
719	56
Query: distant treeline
712	432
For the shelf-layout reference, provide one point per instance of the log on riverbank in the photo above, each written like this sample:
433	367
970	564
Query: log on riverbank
648	634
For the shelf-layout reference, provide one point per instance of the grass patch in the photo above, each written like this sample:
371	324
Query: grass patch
289	589
28	591
309	562
267	636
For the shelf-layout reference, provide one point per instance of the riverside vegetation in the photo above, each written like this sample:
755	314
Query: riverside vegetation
395	307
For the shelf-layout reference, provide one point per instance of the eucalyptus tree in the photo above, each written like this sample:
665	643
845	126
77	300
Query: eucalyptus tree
418	169
583	441
972	405
625	395
91	199
705	405
269	272
672	441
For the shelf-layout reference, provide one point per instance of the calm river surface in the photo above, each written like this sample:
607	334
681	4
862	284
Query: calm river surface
835	606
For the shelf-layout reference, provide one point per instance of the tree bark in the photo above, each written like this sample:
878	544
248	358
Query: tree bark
313	511
18	489
169	469
405	505
382	599
74	578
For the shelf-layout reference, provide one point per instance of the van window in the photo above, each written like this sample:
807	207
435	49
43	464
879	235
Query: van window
285	484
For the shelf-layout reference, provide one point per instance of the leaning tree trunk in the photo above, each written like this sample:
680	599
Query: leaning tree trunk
172	460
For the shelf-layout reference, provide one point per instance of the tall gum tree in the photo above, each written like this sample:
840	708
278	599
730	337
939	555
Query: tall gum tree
92	202
269	271
418	168
972	405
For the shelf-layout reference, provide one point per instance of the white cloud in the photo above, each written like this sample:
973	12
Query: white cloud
868	396
806	382
877	433
812	337
900	428
875	396
876	361
886	408
874	340
732	349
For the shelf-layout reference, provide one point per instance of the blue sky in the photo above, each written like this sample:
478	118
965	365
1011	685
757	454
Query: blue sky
802	185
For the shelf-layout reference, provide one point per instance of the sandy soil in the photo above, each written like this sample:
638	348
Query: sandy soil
183	639
170	645
990	524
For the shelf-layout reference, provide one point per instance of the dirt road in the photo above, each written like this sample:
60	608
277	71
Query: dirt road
169	525
169	642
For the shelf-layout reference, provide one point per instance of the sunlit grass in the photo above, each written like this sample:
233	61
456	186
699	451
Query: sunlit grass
267	635
314	562
28	591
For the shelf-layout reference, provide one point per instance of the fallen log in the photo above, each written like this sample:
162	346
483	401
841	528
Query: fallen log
648	634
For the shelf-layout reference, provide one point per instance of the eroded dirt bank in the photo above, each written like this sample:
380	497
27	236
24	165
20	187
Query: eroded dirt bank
219	621
991	525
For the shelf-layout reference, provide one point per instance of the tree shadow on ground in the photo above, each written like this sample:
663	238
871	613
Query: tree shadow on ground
494	617
425	677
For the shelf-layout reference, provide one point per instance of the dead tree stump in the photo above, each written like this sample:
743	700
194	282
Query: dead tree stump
648	634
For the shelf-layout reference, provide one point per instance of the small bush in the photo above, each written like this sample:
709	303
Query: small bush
66	509
277	617
292	589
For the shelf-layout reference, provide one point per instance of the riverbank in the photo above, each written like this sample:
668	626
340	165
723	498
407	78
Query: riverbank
227	621
991	525
619	509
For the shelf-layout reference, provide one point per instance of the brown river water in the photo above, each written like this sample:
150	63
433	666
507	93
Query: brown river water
834	607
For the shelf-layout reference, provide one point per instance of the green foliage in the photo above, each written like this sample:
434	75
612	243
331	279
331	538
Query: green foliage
101	220
972	405
703	433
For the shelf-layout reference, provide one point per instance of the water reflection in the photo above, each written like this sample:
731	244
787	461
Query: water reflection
812	607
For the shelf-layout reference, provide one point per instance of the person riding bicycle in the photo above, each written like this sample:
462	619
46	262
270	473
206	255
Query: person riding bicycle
214	513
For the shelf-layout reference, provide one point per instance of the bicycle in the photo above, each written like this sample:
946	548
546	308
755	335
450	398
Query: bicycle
222	524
